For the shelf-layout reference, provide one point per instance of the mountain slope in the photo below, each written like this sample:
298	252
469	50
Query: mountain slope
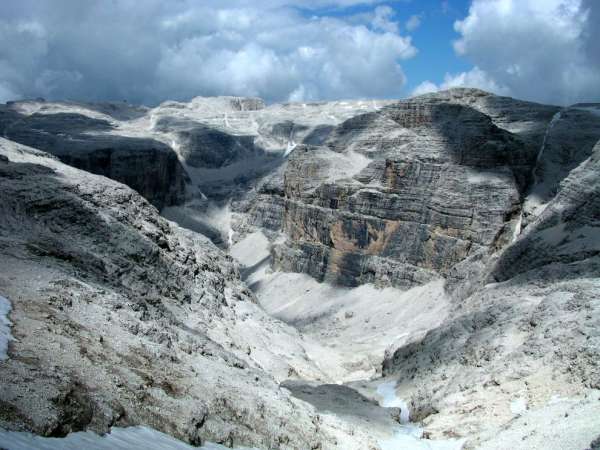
122	318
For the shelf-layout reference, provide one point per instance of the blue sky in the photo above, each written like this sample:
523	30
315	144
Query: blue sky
298	50
433	37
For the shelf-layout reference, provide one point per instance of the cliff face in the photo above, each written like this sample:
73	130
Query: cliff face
525	331
147	165
401	195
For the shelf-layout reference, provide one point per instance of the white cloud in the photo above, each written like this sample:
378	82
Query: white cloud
413	22
383	19
155	50
543	50
475	78
426	87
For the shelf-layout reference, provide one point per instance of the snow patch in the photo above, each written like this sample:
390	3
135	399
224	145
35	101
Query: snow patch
408	436
540	155
407	440
518	227
132	438
291	145
389	399
5	324
518	406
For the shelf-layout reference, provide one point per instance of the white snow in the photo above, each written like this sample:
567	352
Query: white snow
291	145
518	406
518	227
5	324
540	155
408	436
132	438
389	399
404	439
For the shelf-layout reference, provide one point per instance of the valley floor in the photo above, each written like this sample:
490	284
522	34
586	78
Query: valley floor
347	332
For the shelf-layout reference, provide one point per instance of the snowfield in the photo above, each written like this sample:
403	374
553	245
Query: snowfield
132	438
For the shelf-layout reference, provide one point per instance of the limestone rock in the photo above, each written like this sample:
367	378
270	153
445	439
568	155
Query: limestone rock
147	165
121	318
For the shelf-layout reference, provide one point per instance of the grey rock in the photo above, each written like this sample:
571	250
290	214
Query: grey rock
433	183
148	166
122	318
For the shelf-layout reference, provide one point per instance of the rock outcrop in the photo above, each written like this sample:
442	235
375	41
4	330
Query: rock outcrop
120	317
401	195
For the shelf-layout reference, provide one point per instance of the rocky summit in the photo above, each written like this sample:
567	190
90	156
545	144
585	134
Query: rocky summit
415	274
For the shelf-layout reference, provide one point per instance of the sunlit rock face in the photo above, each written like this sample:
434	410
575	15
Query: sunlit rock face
401	195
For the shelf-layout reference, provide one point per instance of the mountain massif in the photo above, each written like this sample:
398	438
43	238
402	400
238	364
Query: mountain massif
304	275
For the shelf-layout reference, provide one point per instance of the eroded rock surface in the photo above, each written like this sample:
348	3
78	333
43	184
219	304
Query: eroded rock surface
83	140
477	213
121	318
526	332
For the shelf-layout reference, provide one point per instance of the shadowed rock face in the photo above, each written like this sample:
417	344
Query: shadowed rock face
147	165
566	233
204	146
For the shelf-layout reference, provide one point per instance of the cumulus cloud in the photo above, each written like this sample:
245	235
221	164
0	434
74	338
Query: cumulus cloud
474	78
413	22
543	50
155	50
383	19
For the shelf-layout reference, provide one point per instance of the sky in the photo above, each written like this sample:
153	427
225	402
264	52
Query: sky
291	50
